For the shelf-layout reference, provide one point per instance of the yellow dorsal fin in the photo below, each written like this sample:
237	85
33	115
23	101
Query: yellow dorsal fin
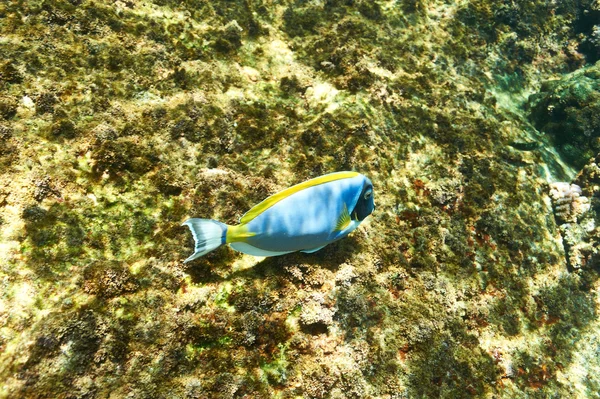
344	220
275	198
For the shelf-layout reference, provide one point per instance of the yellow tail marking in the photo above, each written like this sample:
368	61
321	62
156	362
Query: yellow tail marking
344	220
275	198
238	233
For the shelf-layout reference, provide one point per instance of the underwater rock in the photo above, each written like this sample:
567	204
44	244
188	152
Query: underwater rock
9	73
45	103
588	25
345	275
290	85
300	21
116	156
63	128
185	127
44	188
578	248
7	149
5	134
316	316
108	279
34	214
103	133
229	38
569	111
8	107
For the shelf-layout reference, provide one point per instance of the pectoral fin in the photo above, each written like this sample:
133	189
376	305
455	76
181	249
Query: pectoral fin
344	220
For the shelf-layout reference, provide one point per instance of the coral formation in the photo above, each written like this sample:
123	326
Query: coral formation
571	213
567	202
579	220
119	120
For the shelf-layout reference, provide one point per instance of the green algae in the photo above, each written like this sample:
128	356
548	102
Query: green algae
276	369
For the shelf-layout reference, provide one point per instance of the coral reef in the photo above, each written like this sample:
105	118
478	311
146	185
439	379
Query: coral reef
567	202
571	211
118	120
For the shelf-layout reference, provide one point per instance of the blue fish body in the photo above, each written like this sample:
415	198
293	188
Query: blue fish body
305	217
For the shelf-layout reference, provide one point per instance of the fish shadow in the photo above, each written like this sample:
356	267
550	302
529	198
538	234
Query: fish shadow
330	257
213	267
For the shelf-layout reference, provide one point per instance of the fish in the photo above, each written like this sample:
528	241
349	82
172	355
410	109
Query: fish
305	217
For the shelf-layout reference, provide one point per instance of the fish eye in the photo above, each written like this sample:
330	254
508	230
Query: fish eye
368	194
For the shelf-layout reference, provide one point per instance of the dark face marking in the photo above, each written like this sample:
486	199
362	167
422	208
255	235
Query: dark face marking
365	205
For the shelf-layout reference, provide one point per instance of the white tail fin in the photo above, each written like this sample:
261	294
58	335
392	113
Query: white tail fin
208	235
